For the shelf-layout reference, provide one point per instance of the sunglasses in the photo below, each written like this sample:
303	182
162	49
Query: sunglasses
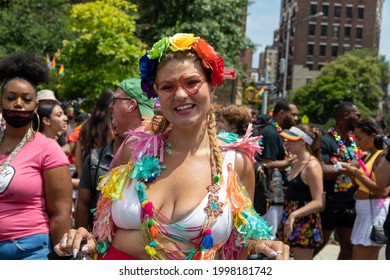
190	83
119	98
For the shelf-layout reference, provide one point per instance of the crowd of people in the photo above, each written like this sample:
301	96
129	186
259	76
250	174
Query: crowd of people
155	163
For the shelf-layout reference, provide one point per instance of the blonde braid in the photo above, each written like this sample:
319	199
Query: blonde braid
212	131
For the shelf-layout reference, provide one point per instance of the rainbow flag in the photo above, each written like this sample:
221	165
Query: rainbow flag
53	63
61	71
261	91
48	61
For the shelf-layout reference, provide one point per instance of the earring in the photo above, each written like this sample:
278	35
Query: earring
130	107
33	124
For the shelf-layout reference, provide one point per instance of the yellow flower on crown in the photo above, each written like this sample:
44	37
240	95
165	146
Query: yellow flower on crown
182	41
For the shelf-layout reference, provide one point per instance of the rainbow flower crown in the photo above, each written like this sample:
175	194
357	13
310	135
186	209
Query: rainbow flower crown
179	42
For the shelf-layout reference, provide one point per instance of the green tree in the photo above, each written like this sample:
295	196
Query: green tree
33	26
354	76
220	22
105	50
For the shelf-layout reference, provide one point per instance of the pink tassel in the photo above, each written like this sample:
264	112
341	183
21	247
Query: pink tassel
148	207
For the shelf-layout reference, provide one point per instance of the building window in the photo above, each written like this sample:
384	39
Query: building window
325	10
320	66
308	80
359	32
360	12
309	65
335	50
313	9
312	29
346	48
336	31
324	30
322	50
348	12
337	11
347	31
310	49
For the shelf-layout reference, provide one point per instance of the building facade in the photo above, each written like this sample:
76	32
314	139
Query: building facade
314	32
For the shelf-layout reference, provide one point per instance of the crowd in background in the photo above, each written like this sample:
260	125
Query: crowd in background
329	176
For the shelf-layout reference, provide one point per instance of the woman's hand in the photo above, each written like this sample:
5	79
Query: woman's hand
288	226
349	170
272	249
70	242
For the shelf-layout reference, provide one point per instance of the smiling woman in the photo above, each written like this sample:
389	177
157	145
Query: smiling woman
52	120
179	196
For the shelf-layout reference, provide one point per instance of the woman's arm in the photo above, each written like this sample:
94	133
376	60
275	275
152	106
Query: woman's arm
272	249
382	170
58	194
355	173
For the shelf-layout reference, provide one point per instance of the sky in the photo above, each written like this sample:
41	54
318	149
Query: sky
263	19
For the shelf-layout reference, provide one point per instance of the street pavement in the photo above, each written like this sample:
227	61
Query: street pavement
331	252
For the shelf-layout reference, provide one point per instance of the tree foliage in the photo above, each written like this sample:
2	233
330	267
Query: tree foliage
354	76
33	26
220	22
105	49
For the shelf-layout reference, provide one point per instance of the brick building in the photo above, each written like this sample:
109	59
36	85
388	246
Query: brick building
319	31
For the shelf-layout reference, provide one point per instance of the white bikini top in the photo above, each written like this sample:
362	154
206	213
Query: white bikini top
126	213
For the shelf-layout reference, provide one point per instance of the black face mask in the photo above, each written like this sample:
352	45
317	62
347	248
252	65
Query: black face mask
17	118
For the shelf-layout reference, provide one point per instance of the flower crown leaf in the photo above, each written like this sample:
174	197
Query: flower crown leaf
159	49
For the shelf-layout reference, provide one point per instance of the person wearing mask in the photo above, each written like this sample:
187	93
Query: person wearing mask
275	153
34	208
301	221
338	146
372	203
161	213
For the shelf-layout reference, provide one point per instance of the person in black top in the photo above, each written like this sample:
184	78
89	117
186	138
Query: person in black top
275	154
383	181
301	222
338	146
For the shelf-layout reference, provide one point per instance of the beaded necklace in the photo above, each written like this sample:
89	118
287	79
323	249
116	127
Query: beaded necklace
154	224
25	139
345	154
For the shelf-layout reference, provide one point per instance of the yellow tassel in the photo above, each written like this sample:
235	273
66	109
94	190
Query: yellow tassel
150	250
112	184
238	220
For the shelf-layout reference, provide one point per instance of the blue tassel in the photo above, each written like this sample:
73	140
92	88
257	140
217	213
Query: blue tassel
208	242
